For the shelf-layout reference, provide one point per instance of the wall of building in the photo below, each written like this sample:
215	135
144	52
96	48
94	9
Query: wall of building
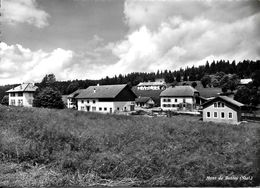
103	107
176	101
26	98
219	119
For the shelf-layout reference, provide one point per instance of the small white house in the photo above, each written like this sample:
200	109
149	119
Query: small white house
22	95
106	99
179	98
222	109
145	102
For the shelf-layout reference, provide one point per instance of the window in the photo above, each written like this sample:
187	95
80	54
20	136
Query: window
222	105
168	105
20	102
30	101
105	109
82	102
173	105
12	102
176	100
12	94
164	105
164	100
184	100
183	105
169	100
118	108
230	115
94	101
215	105
215	114
87	101
222	115
93	108
82	108
20	94
208	114
100	109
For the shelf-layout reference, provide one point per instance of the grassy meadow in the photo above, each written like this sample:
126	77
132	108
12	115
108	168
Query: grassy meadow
45	147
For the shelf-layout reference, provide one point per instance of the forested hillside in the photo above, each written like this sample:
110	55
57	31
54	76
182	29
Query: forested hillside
243	69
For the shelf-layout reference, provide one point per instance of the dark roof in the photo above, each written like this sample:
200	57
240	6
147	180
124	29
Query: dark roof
179	91
29	87
142	99
74	93
224	98
103	91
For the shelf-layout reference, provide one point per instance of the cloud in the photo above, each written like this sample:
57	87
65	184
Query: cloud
19	64
24	11
174	34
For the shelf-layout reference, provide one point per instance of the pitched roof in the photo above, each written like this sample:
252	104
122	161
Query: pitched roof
29	87
151	84
103	91
74	93
225	98
178	91
142	99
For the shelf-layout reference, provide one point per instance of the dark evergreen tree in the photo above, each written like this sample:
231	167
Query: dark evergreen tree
48	98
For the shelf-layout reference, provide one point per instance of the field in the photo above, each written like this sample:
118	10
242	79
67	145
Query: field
44	147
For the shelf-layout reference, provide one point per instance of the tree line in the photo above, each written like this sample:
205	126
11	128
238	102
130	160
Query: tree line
214	74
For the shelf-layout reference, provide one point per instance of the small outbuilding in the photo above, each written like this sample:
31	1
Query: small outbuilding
145	102
222	109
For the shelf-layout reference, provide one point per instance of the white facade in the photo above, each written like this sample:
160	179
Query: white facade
21	99
94	105
221	113
70	103
172	103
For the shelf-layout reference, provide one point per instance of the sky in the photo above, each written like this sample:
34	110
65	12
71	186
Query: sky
92	39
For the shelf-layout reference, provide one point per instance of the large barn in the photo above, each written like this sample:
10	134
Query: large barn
106	99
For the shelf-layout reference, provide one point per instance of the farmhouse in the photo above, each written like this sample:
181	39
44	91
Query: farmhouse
146	102
106	99
159	85
179	98
71	100
22	95
222	109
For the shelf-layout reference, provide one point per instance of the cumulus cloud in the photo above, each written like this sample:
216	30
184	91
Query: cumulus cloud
24	11
19	64
174	34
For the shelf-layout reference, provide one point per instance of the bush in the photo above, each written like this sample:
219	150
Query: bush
48	98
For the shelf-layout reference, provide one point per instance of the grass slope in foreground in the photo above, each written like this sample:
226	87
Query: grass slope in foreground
44	147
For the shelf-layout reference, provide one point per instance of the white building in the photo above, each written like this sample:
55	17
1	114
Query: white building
160	85
179	98
22	95
222	109
71	100
106	99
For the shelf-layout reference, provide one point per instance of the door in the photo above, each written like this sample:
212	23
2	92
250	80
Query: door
110	110
88	108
